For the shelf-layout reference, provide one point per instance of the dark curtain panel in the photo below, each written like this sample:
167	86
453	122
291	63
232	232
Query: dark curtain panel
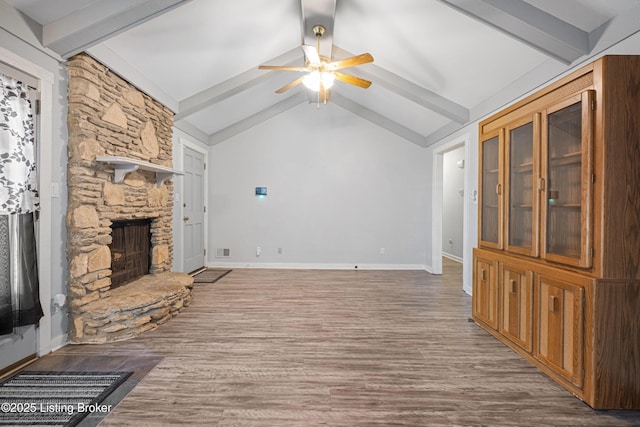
6	313
29	310
20	300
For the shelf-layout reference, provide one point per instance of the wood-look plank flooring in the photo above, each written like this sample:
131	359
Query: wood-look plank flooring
334	348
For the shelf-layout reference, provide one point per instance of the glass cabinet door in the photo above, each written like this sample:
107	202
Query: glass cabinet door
521	186
491	192
567	171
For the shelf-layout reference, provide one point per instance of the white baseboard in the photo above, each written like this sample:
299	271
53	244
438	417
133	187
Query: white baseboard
316	266
56	343
452	257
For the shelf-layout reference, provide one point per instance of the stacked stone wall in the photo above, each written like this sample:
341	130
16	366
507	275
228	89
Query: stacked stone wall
108	116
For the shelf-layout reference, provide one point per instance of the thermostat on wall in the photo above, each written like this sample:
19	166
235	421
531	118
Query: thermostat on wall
261	191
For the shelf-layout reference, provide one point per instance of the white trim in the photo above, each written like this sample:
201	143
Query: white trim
58	342
46	80
316	266
436	212
452	257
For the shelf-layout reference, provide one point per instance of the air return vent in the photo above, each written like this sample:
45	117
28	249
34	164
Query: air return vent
222	252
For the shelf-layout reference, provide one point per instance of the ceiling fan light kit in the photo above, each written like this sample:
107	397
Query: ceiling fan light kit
315	78
321	71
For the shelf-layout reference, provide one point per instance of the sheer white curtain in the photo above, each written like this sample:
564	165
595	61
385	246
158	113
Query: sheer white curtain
19	293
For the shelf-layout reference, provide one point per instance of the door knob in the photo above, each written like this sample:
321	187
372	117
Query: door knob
186	218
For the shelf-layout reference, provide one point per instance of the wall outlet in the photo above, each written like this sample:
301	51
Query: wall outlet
258	250
382	251
279	251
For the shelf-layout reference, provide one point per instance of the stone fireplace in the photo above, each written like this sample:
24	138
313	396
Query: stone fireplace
113	293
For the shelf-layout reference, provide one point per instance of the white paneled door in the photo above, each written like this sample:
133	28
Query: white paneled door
193	210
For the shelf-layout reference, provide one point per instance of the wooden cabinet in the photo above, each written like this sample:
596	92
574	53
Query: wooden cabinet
557	268
490	196
567	180
522	165
560	327
516	310
485	305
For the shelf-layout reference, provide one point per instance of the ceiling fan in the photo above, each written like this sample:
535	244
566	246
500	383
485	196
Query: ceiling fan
321	71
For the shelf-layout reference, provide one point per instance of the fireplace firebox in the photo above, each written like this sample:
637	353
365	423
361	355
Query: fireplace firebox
130	250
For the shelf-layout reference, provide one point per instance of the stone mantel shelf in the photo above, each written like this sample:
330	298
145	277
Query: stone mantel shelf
124	165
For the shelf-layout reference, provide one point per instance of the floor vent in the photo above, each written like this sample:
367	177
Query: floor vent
222	252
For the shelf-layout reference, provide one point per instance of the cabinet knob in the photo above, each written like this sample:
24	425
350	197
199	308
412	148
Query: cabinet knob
499	189
552	303
186	218
483	274
512	283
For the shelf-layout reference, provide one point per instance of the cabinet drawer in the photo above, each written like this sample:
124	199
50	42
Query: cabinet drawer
560	327
516	296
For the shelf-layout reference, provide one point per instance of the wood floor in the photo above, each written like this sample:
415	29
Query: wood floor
335	348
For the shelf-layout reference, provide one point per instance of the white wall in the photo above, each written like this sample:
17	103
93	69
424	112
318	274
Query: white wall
339	189
453	203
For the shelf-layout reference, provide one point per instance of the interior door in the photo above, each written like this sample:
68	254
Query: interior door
193	210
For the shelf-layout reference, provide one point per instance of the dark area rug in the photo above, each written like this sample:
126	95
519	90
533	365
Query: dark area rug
210	275
34	398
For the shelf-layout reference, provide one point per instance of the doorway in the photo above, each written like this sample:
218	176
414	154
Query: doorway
437	214
453	203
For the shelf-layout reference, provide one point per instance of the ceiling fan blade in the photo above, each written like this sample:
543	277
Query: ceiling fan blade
290	85
311	53
281	67
350	62
352	80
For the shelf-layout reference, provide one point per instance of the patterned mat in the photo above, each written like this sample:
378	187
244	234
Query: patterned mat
210	275
56	398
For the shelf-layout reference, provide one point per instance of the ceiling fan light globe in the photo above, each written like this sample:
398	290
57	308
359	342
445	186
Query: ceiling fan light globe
314	78
327	79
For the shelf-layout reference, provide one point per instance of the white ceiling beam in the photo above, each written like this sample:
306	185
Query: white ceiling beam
378	119
528	24
235	85
318	12
99	21
190	129
407	89
12	21
257	118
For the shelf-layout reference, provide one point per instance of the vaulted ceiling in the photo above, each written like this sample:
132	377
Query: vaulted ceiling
436	62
